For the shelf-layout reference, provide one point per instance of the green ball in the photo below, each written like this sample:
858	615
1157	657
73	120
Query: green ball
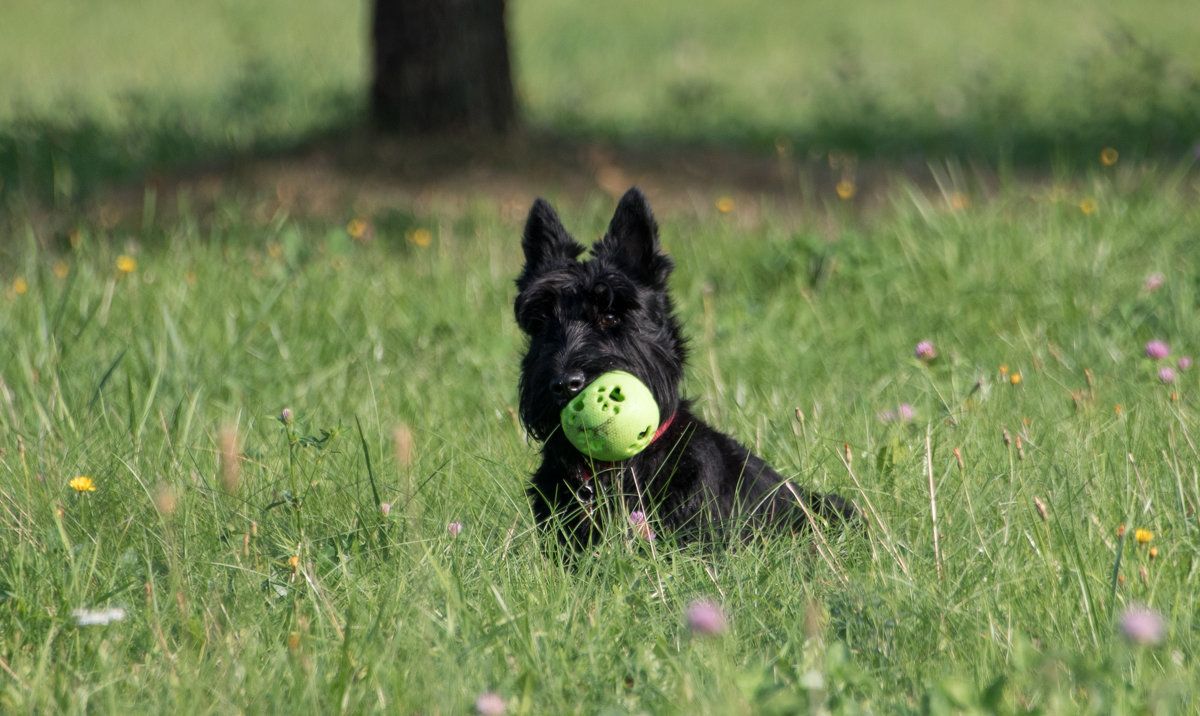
613	418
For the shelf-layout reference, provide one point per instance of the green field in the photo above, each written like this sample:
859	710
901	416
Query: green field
152	344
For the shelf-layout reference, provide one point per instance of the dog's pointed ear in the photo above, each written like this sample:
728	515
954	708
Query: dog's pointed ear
632	240
545	241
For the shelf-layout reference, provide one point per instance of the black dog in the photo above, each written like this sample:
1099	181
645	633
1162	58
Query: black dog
613	312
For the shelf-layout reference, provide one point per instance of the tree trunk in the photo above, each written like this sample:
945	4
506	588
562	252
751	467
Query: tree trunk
441	65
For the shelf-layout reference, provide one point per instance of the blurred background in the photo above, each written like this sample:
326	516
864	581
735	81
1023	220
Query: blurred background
99	94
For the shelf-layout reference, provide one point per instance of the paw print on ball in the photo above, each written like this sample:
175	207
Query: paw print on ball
613	418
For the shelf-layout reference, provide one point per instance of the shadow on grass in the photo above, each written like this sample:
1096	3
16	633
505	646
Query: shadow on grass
1144	108
63	159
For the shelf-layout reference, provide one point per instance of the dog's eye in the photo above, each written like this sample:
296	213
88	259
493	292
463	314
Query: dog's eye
608	320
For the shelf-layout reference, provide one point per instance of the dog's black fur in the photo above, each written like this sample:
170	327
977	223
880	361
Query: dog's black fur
613	312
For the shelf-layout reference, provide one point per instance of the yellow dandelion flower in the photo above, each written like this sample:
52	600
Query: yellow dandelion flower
1143	536
126	263
1088	206
421	237
1121	531
1118	409
19	286
360	230
1015	379
61	268
846	189
725	204
82	483
1154	553
1108	156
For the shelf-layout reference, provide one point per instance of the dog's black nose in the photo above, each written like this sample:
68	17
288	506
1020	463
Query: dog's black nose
568	385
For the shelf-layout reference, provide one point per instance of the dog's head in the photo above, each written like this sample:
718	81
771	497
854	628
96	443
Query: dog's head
587	317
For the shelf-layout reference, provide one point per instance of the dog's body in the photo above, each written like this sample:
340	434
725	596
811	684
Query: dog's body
613	312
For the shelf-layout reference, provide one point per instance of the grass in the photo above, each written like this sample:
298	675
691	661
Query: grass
123	90
102	94
257	571
154	351
1014	82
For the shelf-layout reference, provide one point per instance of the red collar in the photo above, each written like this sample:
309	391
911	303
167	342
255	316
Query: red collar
662	428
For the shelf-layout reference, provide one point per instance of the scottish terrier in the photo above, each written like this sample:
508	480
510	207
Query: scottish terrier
611	312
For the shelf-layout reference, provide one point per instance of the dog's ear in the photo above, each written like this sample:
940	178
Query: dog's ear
632	240
545	240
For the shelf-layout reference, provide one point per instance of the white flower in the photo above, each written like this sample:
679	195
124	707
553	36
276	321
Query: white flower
90	617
